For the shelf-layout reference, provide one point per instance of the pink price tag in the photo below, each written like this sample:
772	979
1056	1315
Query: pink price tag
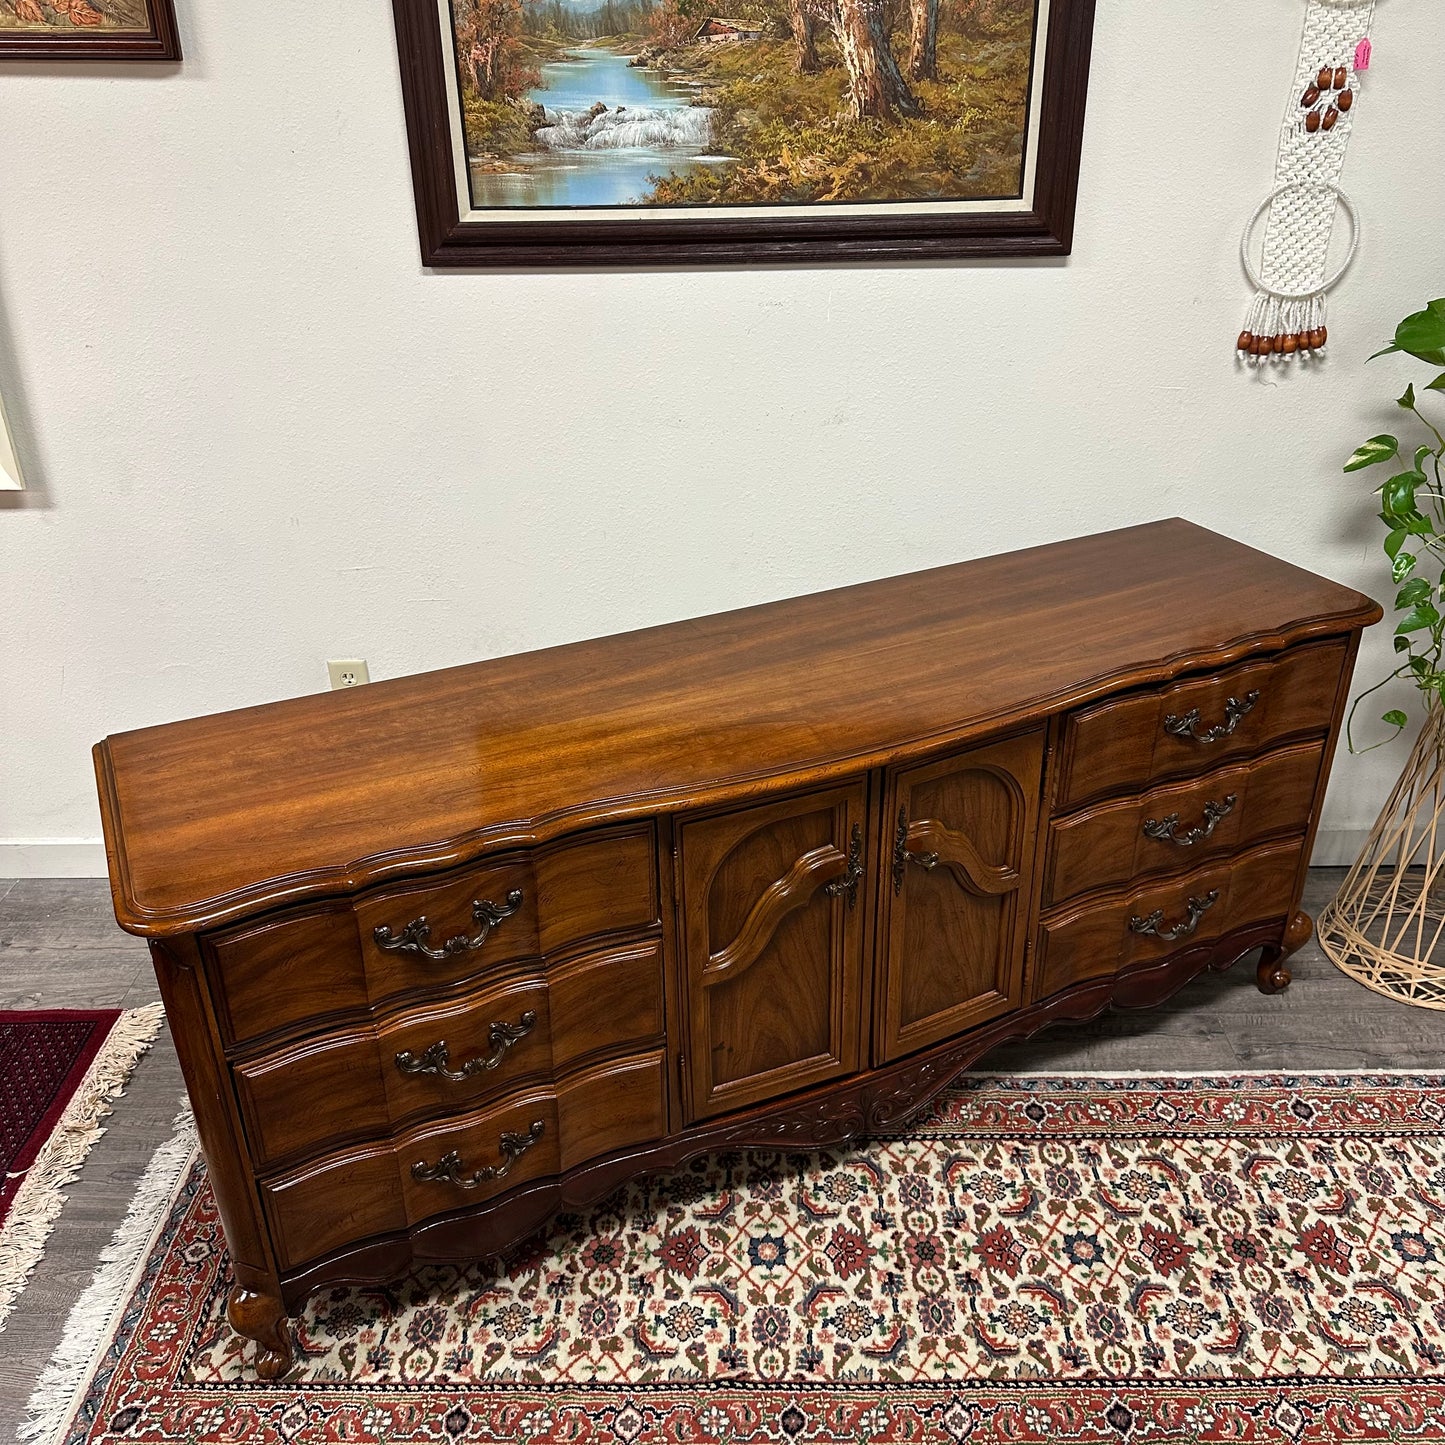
1362	54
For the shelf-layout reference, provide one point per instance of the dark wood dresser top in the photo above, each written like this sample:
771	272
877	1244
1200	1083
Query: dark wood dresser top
217	818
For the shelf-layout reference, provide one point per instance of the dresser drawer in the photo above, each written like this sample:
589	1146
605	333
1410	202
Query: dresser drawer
1097	940
372	1080
1129	742
373	1190
432	937
1176	827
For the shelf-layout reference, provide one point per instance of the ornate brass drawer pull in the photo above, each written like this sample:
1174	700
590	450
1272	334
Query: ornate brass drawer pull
1187	725
847	885
902	857
448	1169
1166	830
501	1036
413	938
1198	907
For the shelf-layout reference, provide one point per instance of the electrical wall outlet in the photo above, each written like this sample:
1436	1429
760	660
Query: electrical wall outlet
347	672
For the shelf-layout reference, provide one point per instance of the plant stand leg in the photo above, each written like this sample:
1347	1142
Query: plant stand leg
1272	976
262	1318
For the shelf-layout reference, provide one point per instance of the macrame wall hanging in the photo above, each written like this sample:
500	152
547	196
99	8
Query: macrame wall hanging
1286	320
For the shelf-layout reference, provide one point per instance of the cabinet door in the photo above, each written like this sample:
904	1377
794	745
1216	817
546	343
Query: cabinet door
957	903
772	901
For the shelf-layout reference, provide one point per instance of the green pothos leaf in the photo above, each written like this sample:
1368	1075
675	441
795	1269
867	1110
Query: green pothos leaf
1397	495
1407	402
1394	717
1378	449
1417	589
1423	333
1419	618
1403	566
1438	384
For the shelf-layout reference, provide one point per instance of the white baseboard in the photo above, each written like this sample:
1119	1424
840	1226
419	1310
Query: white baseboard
85	857
1339	847
52	858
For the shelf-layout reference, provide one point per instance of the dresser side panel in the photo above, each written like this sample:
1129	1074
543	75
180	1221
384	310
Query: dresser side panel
218	1122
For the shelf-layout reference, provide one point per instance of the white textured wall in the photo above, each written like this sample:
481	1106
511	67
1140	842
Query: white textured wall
260	435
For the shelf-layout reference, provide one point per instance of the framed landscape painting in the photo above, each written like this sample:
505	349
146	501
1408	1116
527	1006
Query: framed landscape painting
644	132
88	30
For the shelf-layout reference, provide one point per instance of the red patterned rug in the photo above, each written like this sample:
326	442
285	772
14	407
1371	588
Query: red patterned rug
1118	1261
59	1069
44	1056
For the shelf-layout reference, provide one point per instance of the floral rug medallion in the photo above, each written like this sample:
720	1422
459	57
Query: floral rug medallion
1042	1258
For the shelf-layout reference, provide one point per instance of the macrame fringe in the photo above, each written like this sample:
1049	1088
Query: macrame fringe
38	1201
97	1312
1279	328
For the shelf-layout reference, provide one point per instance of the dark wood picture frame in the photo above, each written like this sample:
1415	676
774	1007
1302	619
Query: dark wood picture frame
812	236
161	42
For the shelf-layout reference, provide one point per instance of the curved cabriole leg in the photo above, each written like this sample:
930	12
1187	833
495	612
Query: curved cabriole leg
262	1318
1272	976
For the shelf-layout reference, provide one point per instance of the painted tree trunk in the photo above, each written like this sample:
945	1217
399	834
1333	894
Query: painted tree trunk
484	70
923	53
876	87
805	35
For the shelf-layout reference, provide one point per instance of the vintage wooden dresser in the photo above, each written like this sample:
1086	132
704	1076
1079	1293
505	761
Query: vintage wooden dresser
444	954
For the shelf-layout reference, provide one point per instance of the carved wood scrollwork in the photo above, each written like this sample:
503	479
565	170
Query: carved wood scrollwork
815	868
835	1119
905	1094
930	844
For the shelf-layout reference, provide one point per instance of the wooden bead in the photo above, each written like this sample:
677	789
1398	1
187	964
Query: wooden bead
1345	99
1290	344
1318	338
1325	76
1245	337
1254	344
1312	121
1309	97
1331	116
1340	77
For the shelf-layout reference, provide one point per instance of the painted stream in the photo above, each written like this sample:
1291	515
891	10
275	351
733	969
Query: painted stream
602	160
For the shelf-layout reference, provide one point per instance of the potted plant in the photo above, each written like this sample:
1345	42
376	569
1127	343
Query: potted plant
1383	925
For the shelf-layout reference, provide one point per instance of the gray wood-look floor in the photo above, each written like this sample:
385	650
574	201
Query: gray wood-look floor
60	948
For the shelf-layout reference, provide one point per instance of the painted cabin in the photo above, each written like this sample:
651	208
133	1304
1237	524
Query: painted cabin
715	30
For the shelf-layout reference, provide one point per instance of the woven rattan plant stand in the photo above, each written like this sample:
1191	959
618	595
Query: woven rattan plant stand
1383	926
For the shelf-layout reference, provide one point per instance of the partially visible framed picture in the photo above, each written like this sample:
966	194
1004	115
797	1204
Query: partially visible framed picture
88	30
10	478
645	132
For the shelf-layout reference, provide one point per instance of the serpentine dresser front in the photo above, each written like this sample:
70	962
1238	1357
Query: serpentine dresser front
444	954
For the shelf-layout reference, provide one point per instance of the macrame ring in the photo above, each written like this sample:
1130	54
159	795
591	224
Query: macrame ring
1265	204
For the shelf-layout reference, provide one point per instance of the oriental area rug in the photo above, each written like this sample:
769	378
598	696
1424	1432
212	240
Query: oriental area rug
1066	1258
59	1070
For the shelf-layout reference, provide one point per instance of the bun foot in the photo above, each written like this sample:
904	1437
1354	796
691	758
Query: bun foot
262	1318
1272	976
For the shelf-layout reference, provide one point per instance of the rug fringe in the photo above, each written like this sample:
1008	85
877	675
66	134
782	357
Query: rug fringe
96	1313
38	1201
